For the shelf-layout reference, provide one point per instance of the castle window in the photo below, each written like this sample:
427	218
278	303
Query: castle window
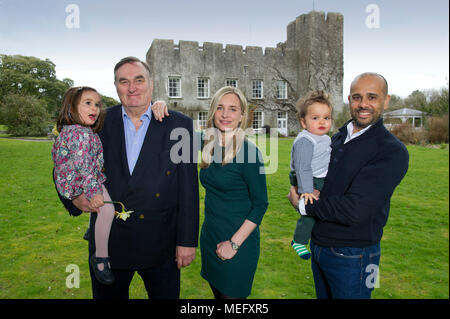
257	89
281	90
257	122
174	86
201	121
231	82
202	87
282	119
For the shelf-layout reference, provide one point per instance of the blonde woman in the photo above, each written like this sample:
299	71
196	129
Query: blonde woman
232	174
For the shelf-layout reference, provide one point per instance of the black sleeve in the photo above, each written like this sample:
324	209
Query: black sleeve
74	211
188	197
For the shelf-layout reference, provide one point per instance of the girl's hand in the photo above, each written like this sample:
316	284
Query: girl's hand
308	197
159	109
97	201
224	250
82	203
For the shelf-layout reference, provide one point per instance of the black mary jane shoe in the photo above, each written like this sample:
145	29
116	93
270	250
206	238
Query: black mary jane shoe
104	276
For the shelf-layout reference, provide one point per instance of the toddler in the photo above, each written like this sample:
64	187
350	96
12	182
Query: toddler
310	156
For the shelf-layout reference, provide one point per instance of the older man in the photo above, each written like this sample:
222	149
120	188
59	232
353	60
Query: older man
366	165
161	235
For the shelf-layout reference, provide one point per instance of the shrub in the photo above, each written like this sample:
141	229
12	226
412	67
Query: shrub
406	133
25	115
437	129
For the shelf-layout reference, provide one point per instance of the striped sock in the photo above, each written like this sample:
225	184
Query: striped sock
301	250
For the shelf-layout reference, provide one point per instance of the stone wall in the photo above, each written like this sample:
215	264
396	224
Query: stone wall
311	58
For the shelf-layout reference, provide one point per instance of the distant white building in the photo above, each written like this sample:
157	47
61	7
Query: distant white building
415	117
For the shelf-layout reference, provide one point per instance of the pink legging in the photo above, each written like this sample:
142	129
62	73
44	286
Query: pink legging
103	226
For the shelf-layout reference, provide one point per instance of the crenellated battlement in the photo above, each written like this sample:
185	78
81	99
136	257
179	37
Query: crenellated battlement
311	25
215	48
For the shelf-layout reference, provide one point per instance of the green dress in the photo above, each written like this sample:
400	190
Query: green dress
234	192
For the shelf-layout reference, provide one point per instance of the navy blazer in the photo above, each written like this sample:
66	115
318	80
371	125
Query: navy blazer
163	194
362	175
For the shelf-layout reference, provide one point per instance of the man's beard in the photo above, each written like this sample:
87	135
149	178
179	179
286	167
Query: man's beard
362	124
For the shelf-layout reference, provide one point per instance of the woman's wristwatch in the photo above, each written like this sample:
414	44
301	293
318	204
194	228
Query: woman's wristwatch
234	246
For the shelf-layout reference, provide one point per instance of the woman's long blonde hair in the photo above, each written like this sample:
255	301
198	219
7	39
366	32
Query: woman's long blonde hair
212	134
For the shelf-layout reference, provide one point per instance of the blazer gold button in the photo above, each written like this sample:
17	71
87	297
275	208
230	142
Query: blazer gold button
157	195
141	216
168	173
103	170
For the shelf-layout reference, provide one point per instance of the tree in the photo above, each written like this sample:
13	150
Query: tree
33	77
438	102
416	100
272	103
108	101
25	115
433	102
396	102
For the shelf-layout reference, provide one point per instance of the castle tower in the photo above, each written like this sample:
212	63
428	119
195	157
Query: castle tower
319	41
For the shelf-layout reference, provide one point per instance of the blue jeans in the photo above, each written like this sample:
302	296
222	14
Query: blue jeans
344	272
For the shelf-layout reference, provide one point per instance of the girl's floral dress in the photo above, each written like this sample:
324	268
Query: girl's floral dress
78	157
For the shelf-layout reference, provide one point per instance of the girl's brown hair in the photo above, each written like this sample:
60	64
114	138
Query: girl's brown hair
318	96
68	115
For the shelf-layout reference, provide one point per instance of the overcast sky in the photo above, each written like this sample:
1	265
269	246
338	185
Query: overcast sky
409	46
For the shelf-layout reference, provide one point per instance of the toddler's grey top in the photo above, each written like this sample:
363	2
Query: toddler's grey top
310	156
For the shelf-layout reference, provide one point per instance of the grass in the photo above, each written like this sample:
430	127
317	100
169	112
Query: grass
38	239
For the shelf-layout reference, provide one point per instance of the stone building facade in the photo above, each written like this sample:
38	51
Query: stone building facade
187	75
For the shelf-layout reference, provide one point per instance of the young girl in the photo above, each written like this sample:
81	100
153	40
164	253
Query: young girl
310	156
78	157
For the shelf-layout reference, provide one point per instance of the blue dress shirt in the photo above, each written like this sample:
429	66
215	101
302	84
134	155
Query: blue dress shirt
134	139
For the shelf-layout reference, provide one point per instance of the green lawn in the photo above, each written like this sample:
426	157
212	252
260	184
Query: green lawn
38	239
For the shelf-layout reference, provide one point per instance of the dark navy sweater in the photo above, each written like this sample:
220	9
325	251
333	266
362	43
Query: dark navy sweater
354	203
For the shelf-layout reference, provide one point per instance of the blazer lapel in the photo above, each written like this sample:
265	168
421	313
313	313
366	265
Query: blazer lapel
118	140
